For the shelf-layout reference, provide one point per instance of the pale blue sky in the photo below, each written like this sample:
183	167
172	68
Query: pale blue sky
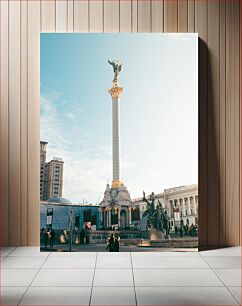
158	109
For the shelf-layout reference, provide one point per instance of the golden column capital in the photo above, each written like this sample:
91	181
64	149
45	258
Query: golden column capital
115	91
116	184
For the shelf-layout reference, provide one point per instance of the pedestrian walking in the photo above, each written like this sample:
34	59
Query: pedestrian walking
110	244
45	237
52	238
116	243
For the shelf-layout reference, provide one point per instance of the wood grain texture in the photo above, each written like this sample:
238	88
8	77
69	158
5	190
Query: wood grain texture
96	16
213	136
48	16
111	16
217	23
144	16
157	16
4	174
81	16
14	196
125	16
171	15
33	132
201	28
61	16
222	120
182	16
232	122
134	16
70	15
191	16
24	123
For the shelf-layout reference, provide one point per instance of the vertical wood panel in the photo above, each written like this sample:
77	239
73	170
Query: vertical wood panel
23	124
157	16
81	16
240	128
61	16
171	15
219	118
125	16
213	123
33	212
14	122
144	16
191	16
232	122
201	28
111	15
4	124
222	120
48	16
96	16
70	16
182	16
134	16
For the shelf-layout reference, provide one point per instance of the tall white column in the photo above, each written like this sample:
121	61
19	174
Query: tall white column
194	205
188	206
183	208
116	140
115	93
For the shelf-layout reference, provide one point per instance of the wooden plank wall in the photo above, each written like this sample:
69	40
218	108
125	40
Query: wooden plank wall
217	23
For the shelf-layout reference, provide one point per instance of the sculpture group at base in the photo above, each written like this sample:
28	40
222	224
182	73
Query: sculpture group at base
157	219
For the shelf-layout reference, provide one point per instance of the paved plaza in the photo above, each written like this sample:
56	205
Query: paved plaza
31	277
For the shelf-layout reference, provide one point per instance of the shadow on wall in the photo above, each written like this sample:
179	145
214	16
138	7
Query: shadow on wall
208	151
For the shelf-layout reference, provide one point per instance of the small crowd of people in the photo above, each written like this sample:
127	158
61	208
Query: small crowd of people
48	236
186	230
113	243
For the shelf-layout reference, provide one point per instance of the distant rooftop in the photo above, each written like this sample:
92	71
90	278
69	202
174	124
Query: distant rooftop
58	200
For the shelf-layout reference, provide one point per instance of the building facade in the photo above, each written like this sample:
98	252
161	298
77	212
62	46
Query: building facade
81	214
51	175
42	169
181	203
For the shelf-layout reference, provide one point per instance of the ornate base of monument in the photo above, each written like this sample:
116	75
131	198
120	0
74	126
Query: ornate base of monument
115	209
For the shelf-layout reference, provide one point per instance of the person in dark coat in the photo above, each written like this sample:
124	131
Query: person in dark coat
52	238
110	245
82	236
116	243
45	237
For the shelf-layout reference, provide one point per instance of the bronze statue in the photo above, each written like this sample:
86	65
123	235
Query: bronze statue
117	66
157	215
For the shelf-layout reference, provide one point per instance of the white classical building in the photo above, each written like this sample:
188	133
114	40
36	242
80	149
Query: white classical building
181	203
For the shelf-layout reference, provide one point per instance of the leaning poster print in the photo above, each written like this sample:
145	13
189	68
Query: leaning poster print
119	142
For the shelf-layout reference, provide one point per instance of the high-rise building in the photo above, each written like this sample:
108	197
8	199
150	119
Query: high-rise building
51	175
42	168
54	178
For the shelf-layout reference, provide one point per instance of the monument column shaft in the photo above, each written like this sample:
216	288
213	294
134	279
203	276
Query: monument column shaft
116	140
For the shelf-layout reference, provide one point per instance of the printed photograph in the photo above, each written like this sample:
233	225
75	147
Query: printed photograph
118	142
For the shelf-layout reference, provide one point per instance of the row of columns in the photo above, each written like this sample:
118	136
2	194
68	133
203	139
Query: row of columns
182	202
108	216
